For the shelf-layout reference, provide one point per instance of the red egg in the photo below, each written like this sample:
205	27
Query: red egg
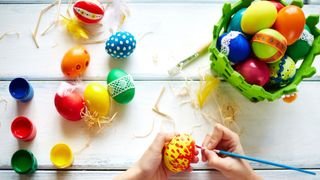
277	4
290	23
88	11
69	105
254	71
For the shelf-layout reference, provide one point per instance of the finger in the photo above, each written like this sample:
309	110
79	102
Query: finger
203	156
226	133
216	162
221	133
160	140
196	152
207	142
195	159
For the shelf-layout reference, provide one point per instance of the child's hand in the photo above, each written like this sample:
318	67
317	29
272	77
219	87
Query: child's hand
223	138
151	166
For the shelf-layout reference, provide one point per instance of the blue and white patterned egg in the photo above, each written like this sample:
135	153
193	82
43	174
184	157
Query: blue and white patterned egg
120	45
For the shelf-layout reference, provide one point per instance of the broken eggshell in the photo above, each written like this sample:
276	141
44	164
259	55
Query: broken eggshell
69	102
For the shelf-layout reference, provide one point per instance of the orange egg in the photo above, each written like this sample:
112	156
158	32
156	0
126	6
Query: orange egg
290	23
75	62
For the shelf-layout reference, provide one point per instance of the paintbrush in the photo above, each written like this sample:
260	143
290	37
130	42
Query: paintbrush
226	153
182	64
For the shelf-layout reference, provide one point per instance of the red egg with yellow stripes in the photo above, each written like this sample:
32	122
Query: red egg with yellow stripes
88	11
179	152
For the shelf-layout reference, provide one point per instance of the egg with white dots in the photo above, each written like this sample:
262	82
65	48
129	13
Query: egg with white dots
120	45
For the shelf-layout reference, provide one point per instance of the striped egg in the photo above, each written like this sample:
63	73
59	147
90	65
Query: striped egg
120	45
178	153
88	11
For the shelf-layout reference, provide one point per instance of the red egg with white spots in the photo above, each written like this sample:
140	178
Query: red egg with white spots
179	152
88	11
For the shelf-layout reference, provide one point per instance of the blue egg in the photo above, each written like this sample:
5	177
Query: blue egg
120	45
235	23
235	46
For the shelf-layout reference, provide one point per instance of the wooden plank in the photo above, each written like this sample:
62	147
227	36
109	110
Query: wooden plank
174	36
285	133
52	175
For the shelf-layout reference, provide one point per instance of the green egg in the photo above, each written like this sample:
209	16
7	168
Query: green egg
269	45
302	46
120	86
282	72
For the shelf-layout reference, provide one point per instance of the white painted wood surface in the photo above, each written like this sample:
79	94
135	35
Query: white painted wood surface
178	30
286	133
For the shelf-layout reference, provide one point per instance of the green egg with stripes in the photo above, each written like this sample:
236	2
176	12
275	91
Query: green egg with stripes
120	86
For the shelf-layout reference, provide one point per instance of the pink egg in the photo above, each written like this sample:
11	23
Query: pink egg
254	71
277	4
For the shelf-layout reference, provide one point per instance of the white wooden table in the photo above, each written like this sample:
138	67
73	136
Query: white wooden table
286	133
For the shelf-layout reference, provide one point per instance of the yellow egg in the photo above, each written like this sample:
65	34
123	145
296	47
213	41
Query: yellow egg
259	15
97	99
178	153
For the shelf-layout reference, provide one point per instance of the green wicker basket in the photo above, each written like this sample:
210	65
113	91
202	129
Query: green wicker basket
220	63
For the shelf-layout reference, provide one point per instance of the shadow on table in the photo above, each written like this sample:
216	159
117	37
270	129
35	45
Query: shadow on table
22	108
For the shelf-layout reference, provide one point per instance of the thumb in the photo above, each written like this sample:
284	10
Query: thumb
216	162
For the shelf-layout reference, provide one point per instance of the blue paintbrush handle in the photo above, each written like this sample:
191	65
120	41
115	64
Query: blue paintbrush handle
263	161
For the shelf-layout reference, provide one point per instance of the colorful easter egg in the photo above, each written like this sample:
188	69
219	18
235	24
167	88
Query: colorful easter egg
96	99
282	72
75	62
259	15
178	153
290	23
234	45
277	4
302	46
235	22
88	11
120	86
254	71
269	45
120	45
68	102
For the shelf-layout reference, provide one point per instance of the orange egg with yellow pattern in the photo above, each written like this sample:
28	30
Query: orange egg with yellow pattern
178	153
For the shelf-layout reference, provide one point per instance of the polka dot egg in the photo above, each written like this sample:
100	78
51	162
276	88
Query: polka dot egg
121	45
282	72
